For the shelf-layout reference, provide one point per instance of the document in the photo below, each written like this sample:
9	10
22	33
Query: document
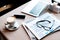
43	25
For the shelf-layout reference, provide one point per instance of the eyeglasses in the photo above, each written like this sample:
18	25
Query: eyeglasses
45	24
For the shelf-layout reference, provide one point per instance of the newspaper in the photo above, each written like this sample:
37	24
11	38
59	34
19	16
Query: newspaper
55	27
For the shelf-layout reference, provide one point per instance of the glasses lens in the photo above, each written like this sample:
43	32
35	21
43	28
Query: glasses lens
47	28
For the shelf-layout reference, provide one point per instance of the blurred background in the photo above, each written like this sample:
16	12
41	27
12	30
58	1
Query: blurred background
8	5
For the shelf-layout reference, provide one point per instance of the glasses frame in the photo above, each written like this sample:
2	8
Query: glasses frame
44	27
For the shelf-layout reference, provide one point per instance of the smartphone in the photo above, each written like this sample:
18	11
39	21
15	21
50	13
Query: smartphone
20	16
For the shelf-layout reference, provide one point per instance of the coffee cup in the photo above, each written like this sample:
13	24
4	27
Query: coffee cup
12	24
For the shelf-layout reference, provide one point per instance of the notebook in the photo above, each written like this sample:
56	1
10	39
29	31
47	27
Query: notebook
35	7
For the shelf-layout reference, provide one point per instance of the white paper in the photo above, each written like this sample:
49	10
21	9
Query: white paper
32	37
40	32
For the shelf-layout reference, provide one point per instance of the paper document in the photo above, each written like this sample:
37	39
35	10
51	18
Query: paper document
43	25
32	37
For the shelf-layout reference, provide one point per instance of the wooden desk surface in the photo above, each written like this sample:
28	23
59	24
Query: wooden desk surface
20	34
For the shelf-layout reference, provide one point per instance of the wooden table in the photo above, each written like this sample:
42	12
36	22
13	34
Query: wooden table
20	34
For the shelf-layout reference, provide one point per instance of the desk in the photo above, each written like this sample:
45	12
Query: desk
20	34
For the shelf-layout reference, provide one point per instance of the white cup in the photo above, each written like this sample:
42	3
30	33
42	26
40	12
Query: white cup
12	24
